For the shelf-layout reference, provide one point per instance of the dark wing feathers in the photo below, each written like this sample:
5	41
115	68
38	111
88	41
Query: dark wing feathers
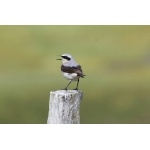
76	69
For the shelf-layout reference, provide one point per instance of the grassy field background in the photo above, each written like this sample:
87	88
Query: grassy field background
115	59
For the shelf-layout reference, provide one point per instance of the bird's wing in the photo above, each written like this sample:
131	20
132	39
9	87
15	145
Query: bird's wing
76	69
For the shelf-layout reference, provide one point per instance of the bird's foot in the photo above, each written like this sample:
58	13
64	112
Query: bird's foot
65	89
76	89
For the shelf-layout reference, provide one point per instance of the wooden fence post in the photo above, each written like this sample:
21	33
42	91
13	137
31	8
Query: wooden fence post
64	107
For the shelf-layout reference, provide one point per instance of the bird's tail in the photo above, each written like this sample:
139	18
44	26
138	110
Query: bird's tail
83	75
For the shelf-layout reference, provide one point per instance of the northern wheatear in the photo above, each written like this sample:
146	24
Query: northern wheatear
71	69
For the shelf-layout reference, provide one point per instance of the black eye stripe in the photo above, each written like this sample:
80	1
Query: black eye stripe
65	57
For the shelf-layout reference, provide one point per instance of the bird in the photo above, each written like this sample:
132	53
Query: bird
71	69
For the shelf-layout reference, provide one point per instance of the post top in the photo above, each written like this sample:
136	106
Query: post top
66	92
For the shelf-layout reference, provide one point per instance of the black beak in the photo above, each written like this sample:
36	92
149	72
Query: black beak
59	58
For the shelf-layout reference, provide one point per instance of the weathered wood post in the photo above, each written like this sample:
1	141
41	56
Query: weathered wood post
64	107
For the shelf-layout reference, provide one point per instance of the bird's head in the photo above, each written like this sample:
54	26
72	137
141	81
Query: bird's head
65	58
68	60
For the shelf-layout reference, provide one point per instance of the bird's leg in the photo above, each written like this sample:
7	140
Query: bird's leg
67	85
77	85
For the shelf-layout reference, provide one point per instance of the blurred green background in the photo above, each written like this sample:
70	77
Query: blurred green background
115	59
